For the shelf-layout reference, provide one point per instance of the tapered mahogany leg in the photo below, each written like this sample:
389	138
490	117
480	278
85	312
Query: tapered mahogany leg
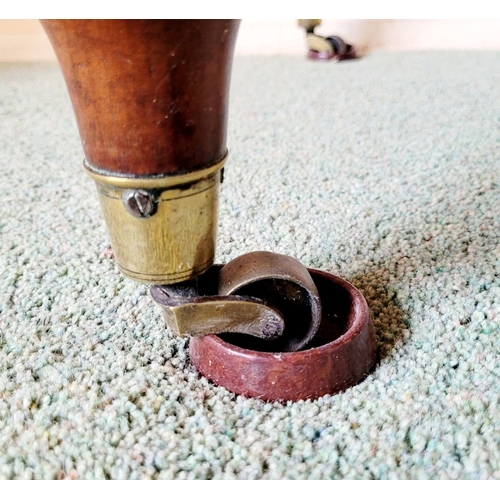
150	99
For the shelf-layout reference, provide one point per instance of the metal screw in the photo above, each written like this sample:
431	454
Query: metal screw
139	203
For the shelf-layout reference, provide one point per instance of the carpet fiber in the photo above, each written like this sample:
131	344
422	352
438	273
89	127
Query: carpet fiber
384	171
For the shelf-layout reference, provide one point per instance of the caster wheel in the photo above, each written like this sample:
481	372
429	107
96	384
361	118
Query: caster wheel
339	46
331	47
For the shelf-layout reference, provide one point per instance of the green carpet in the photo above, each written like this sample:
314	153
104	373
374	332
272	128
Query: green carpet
385	171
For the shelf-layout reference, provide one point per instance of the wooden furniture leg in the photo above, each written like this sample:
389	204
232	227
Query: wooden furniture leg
150	98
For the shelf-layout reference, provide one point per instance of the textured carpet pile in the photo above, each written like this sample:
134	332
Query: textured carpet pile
385	171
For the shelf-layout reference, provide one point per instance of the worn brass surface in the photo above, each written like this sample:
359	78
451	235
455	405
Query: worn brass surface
261	294
153	181
308	24
176	242
318	43
197	316
283	283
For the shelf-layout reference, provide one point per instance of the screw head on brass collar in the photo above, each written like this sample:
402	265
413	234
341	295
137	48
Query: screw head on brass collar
139	202
162	228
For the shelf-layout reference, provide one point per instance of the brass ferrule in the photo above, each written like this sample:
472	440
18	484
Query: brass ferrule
308	24
162	228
